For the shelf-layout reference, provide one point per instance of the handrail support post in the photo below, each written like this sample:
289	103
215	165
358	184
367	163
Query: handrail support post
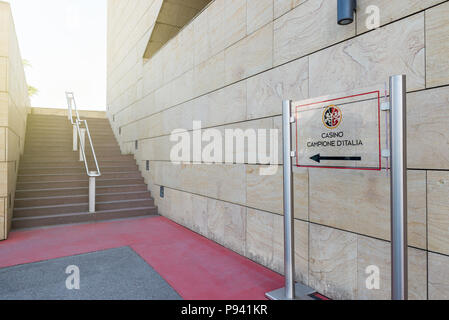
75	138
92	194
70	115
82	143
80	133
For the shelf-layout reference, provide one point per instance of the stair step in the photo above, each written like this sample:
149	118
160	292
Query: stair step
30	212
75	170
66	140
68	143
65	125
36	193
38	141
65	137
104	164
68	151
68	128
74	157
56	200
80	207
58	138
60	117
60	120
71	177
66	134
64	145
123	157
33	120
52	220
77	183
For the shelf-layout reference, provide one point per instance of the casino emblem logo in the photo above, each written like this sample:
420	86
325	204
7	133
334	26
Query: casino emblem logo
332	117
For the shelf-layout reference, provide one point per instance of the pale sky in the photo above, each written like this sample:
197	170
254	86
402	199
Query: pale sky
65	42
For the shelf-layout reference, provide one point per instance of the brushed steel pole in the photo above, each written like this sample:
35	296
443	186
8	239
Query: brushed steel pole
289	245
75	138
292	290
69	113
82	143
398	135
92	186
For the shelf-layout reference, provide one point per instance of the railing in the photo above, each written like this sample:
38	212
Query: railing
79	134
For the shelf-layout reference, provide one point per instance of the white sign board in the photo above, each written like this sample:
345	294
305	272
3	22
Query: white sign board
340	133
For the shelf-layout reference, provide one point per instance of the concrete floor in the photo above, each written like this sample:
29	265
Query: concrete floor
161	260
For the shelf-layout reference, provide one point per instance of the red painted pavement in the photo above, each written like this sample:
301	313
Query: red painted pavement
194	266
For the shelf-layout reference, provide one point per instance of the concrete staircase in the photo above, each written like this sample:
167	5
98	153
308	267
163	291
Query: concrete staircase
52	186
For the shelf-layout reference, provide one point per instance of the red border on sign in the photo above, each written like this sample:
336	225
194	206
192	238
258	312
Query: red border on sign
342	168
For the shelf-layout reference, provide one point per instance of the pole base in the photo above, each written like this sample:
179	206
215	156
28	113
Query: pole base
302	292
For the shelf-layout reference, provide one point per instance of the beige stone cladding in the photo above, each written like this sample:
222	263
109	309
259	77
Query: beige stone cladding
14	107
231	67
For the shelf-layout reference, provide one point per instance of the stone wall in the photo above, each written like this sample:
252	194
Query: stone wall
64	112
14	106
230	68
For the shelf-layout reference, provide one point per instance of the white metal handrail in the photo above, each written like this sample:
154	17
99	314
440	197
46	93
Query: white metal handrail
71	98
80	134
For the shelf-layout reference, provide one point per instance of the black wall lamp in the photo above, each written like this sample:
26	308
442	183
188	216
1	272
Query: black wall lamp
346	9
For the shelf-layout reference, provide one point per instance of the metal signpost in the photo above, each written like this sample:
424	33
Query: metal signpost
360	152
398	138
291	291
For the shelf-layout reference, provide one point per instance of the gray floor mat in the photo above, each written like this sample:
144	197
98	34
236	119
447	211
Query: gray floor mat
116	274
